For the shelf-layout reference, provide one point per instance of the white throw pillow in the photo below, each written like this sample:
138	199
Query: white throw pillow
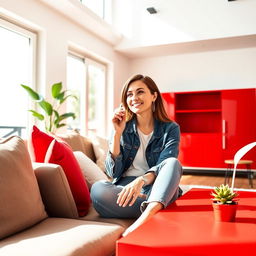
91	171
100	147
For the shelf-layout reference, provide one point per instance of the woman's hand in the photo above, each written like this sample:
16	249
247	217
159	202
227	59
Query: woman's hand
119	120
131	192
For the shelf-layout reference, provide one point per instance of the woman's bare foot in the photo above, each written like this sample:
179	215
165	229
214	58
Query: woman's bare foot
151	210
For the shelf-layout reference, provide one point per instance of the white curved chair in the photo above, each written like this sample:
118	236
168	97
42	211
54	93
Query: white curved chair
237	160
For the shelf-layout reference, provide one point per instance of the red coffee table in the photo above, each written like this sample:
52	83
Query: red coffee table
187	227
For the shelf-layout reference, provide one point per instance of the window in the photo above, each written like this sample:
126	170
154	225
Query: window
101	7
96	98
17	47
76	80
87	79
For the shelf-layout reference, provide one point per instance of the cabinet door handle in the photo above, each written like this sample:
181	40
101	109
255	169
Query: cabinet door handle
223	134
223	126
223	141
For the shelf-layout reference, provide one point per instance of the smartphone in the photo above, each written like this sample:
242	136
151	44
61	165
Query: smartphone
122	108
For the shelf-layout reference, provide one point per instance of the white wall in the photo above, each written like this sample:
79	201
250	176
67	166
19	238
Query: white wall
56	33
206	70
226	69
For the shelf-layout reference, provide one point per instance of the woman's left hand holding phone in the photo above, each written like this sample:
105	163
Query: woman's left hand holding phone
119	120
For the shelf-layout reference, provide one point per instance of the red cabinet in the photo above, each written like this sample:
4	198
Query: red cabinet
239	121
214	125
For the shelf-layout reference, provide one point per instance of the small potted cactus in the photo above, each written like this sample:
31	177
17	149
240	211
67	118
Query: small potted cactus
224	203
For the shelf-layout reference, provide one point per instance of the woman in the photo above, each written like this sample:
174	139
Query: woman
142	157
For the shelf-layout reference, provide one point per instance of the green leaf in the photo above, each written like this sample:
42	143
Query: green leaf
37	115
33	94
60	125
70	95
46	106
56	89
65	116
56	114
60	96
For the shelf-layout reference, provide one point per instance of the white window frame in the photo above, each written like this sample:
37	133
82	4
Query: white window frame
32	36
87	60
106	14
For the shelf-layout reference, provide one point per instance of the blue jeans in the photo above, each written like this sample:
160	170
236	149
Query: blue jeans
165	190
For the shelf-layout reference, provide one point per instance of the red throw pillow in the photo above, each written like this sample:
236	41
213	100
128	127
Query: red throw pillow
60	153
38	144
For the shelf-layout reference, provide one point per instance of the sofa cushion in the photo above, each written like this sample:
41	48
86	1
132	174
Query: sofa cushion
94	216
91	171
55	190
78	143
63	237
100	147
60	153
38	144
20	200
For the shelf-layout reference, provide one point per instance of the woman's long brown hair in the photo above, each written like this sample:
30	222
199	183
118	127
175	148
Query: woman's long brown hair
159	113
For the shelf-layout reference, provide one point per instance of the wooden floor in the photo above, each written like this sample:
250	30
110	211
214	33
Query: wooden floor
215	180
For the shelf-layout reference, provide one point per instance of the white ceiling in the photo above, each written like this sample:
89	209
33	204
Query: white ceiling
180	26
184	26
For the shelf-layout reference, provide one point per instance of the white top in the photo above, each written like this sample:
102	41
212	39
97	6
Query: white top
140	165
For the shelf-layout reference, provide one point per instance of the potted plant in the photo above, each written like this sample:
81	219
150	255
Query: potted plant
51	116
224	203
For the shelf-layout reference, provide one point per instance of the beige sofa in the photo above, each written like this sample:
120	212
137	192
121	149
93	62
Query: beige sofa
38	215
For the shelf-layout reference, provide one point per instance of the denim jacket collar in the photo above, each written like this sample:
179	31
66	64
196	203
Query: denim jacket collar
132	128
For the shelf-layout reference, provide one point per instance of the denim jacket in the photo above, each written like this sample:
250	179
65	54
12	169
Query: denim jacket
163	144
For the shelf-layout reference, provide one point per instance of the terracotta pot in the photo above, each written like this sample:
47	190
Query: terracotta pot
224	212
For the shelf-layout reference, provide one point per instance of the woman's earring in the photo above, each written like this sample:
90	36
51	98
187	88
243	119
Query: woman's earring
153	106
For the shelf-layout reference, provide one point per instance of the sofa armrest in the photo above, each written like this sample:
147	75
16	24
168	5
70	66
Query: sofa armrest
55	190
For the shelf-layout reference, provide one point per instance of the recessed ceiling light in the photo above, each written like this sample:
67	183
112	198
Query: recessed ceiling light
151	10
